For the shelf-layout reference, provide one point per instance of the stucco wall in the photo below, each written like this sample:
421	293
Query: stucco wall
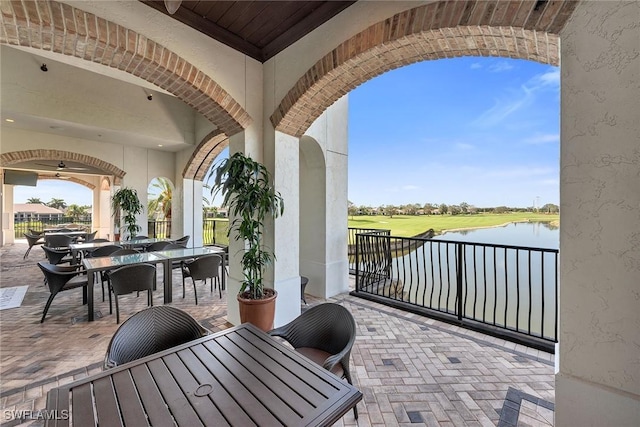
599	374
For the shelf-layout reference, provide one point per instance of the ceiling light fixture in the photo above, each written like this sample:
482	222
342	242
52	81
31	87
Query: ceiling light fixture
172	5
9	120
44	68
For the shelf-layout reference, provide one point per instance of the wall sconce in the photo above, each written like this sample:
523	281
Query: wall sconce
44	68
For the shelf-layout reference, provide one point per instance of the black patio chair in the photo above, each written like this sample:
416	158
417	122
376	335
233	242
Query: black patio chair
57	256
58	241
129	279
32	240
100	240
149	331
100	252
325	333
62	278
89	238
134	238
184	241
156	246
35	232
202	268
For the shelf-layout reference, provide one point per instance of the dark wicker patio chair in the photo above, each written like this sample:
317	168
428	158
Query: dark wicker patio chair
325	333
100	252
57	256
62	278
150	331
32	240
184	241
156	246
132	278
100	240
58	241
141	237
202	268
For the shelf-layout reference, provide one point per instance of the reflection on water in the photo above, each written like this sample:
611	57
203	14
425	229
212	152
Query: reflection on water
532	234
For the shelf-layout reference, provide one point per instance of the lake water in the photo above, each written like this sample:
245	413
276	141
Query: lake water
532	234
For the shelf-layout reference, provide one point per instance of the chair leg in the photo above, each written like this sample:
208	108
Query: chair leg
195	291
183	287
46	307
219	286
117	308
150	298
347	376
26	254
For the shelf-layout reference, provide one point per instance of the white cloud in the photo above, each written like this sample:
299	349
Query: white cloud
476	65
521	172
546	138
500	67
549	78
410	187
464	146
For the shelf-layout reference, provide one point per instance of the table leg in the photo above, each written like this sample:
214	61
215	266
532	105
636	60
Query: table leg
91	278
168	282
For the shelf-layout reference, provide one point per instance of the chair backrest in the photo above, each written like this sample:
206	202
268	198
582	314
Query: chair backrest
172	246
54	256
184	241
55	276
328	327
121	252
204	267
131	278
32	239
138	237
35	232
156	246
100	240
103	251
150	331
58	241
91	236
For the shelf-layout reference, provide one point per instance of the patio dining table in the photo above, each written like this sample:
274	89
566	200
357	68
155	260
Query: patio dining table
95	265
83	248
239	377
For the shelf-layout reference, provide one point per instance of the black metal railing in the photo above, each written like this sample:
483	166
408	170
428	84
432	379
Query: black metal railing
22	227
214	231
159	229
503	290
351	251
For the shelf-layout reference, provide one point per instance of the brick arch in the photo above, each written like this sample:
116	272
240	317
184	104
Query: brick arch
452	28
204	155
60	28
15	157
69	179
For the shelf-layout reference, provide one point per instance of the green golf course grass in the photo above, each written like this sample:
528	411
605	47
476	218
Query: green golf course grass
410	225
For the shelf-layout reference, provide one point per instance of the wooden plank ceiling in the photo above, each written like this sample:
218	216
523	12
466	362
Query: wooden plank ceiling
259	29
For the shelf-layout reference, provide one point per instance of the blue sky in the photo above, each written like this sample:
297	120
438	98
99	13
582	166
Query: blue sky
484	131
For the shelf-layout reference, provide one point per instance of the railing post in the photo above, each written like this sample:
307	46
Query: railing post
357	263
460	266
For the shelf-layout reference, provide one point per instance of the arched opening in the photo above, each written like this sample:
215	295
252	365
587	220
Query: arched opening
160	207
313	213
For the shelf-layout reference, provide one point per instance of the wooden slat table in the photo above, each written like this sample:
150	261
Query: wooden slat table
238	377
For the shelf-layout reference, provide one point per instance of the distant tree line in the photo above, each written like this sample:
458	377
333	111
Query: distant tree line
74	211
443	209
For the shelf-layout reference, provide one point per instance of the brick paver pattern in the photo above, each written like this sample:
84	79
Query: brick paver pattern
410	369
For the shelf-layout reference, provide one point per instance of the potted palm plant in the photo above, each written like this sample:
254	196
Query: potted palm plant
126	201
249	194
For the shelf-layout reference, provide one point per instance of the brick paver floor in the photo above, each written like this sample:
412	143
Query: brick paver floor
412	370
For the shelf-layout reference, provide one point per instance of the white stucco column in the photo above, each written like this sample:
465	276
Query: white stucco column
102	218
284	161
598	383
189	215
8	232
323	202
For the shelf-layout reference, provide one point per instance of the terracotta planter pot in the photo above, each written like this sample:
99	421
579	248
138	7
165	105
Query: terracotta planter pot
259	312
